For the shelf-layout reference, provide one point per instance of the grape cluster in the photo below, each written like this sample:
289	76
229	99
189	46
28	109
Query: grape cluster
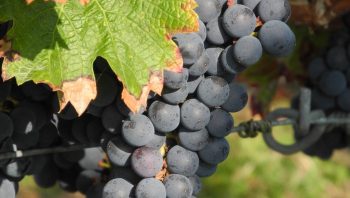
163	150
329	79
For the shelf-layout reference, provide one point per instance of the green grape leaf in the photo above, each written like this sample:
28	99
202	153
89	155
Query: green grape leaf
57	43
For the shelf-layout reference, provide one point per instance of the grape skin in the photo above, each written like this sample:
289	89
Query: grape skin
208	9
220	124
165	117
194	115
277	38
150	188
332	83
239	21
182	161
117	188
174	80
247	50
215	152
193	140
138	130
237	99
213	91
146	162
191	47
274	10
177	186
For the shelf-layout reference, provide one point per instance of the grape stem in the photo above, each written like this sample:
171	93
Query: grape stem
43	151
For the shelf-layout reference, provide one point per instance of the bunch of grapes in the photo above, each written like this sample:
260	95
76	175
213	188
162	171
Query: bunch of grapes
163	150
329	79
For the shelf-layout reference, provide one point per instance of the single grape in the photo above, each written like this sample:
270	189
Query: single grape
112	119
277	38
215	67
146	162
194	115
205	170
175	97
208	9
191	47
332	83
174	80
239	20
48	176
315	69
216	33
200	66
165	117
337	58
213	91
117	188
150	188
228	62
215	152
274	10
247	50
182	161
138	130
343	100
118	152
177	186
193	140
237	99
220	124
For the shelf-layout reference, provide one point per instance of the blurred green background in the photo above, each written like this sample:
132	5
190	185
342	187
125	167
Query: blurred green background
253	170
